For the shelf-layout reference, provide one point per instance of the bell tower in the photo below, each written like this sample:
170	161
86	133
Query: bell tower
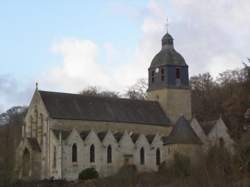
168	81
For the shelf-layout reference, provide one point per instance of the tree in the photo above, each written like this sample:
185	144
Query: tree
138	90
10	136
94	91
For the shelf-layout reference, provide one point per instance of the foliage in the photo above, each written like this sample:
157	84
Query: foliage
88	173
180	166
227	95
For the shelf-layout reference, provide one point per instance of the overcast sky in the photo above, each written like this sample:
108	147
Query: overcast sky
68	45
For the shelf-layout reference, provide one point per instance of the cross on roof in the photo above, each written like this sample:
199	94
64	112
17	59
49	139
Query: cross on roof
167	25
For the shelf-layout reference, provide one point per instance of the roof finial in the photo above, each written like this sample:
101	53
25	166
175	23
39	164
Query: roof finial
167	25
36	85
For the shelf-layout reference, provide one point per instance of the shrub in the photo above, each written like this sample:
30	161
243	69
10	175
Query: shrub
89	173
181	165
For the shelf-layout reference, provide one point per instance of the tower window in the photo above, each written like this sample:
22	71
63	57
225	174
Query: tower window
74	153
142	156
92	153
109	154
162	74
177	73
153	76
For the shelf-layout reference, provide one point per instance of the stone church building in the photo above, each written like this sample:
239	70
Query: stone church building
65	133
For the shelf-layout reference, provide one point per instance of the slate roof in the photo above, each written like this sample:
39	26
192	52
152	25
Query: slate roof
34	144
182	133
92	108
168	56
208	125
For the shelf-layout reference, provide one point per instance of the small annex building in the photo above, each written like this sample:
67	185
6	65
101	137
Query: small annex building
65	133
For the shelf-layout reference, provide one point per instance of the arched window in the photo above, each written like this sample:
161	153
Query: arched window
30	128
142	156
26	163
74	153
109	154
41	128
54	157
92	153
158	157
221	142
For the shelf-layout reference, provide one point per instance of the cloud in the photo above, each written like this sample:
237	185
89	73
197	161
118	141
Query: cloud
209	34
12	94
212	35
83	66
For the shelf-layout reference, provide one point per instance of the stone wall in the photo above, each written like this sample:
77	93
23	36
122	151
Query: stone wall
174	102
121	150
99	126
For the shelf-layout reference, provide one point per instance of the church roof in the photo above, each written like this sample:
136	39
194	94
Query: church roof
182	133
92	108
168	56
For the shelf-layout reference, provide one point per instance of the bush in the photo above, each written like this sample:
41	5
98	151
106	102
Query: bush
89	173
182	165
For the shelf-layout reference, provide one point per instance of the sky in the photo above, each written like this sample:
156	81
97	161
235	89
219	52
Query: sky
69	45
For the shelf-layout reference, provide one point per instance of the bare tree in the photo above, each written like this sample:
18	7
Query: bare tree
95	91
138	90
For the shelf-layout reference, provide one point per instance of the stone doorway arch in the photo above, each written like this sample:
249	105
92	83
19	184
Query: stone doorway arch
26	163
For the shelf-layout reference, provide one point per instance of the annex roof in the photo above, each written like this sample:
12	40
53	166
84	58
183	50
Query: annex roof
182	133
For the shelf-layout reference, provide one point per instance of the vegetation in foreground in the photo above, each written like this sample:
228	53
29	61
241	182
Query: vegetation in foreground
217	168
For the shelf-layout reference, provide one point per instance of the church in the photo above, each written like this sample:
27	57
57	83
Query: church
66	133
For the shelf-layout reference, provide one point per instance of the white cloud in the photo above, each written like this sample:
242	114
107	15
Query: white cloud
82	66
209	34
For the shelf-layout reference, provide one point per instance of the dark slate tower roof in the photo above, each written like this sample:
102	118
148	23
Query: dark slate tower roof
168	55
182	133
168	68
92	108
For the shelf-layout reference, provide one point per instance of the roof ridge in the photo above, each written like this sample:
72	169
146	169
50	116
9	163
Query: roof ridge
96	96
